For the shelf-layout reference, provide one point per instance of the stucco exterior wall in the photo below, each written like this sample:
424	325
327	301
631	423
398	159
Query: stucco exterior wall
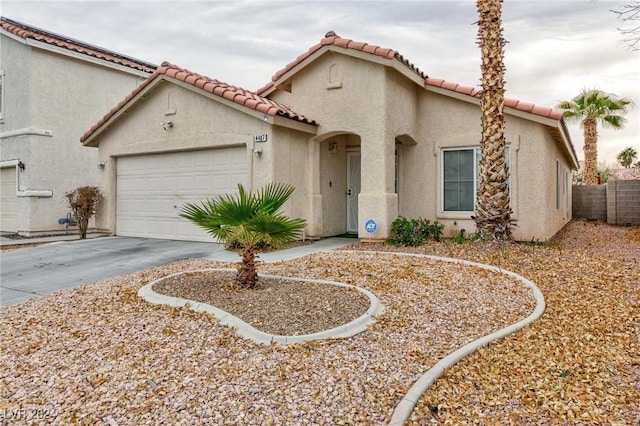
450	123
50	100
357	104
198	123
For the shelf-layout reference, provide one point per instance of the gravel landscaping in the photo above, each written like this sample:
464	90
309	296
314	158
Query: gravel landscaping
101	355
278	306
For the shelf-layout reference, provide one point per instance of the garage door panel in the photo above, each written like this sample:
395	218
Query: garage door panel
9	212
151	190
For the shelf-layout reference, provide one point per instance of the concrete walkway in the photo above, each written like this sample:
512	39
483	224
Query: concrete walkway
326	244
65	262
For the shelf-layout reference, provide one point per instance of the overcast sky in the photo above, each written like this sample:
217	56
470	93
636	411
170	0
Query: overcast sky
555	48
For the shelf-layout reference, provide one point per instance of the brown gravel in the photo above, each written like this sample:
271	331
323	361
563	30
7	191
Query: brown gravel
279	306
101	355
579	363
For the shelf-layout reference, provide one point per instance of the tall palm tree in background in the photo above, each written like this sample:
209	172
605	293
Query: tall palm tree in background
251	220
627	156
493	208
591	107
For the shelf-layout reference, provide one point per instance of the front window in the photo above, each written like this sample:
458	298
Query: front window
461	175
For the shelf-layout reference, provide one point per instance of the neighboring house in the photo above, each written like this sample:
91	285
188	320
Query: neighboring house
52	88
378	139
608	174
632	173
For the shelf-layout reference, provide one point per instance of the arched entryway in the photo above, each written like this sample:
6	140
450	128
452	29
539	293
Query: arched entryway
334	189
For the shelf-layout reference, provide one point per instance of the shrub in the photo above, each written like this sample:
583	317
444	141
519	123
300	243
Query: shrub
413	232
435	229
459	238
83	202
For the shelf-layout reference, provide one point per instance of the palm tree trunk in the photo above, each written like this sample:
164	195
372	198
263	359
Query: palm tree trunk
590	132
247	277
493	210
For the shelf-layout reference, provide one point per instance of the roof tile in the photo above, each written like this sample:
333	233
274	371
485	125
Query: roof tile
28	32
235	94
508	102
332	39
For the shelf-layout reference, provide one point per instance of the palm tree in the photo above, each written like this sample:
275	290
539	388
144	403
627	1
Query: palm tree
493	210
590	107
626	157
250	219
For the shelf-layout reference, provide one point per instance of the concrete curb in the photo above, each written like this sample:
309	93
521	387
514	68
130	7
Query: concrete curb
405	407
350	329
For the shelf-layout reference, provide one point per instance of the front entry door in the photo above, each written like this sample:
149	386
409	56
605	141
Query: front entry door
353	189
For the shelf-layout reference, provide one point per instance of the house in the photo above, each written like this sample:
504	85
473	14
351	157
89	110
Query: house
52	88
359	131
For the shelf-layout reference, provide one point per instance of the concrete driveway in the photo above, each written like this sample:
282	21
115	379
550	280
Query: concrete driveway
56	266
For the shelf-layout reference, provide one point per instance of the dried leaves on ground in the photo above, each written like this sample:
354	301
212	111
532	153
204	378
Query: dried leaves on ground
101	355
579	363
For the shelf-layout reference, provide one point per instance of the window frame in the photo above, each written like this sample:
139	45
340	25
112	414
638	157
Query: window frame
476	175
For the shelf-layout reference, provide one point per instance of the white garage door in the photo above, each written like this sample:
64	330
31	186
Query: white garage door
9	215
151	189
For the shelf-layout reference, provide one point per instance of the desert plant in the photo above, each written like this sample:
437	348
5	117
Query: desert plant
435	230
591	107
83	202
627	156
493	207
250	220
413	232
459	238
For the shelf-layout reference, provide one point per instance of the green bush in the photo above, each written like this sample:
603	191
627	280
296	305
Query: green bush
435	229
413	232
459	238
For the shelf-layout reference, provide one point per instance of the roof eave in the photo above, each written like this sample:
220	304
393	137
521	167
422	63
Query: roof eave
393	62
86	58
92	139
559	129
277	120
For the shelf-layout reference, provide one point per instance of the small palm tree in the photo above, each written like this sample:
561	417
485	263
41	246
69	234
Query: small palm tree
591	107
250	219
627	156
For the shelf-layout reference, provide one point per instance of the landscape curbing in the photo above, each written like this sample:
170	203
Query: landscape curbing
246	330
405	407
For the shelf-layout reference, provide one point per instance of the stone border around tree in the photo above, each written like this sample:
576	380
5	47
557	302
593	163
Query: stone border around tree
246	330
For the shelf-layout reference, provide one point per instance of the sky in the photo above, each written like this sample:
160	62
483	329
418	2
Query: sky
555	47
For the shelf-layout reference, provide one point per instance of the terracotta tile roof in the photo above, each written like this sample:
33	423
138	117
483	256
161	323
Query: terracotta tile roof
512	103
27	32
332	39
232	93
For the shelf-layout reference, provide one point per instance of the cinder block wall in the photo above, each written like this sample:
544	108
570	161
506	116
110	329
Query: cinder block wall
623	202
589	202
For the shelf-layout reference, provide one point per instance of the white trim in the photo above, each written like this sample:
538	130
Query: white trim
40	193
27	131
442	213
